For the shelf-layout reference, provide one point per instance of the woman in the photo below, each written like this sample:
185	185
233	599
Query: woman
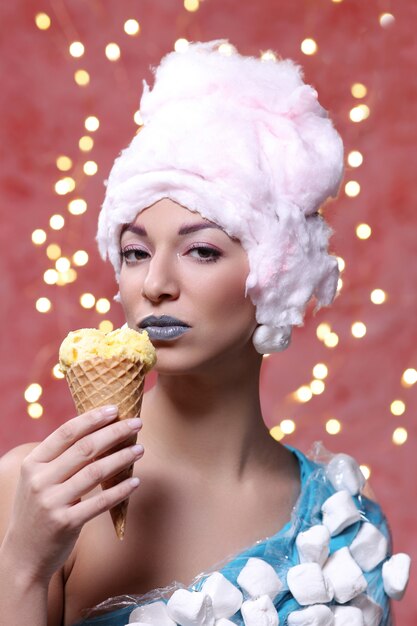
211	222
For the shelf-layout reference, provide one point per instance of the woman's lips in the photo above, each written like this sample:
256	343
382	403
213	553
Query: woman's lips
165	333
164	327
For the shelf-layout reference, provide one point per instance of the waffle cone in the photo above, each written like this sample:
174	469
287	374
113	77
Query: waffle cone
96	382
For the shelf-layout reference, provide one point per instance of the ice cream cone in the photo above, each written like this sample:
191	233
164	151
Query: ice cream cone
97	381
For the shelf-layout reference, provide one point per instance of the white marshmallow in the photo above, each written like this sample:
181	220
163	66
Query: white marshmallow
395	574
347	616
308	585
155	613
313	544
224	622
345	575
369	547
258	578
260	612
316	615
191	608
226	598
344	473
371	611
339	512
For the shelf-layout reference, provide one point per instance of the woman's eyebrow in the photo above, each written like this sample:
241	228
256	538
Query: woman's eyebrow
184	230
192	228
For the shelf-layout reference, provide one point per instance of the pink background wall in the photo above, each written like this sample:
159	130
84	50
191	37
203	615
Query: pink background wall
42	116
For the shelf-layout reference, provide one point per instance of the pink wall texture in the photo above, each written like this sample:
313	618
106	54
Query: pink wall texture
364	68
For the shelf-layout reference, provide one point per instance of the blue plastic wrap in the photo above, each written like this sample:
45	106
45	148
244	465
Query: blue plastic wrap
279	550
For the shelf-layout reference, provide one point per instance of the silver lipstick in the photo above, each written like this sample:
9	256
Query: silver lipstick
164	327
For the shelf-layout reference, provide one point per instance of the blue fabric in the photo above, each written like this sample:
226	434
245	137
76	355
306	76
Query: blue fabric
280	550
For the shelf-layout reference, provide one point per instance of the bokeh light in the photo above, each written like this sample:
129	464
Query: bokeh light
112	51
38	236
87	300
43	305
82	77
131	27
86	143
308	46
35	410
33	392
399	436
333	426
92	123
78	206
42	21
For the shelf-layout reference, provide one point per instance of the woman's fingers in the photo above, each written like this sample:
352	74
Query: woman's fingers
71	431
118	434
84	511
98	471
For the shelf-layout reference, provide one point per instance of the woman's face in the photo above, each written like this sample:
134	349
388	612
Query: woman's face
176	264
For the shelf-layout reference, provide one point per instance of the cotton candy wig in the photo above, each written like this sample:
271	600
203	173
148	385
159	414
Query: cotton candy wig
245	143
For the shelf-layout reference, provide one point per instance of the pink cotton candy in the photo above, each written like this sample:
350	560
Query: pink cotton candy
245	143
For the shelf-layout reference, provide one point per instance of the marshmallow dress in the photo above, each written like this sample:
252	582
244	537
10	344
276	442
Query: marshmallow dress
309	582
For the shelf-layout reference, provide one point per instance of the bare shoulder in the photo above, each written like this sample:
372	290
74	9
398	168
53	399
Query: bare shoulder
10	465
11	460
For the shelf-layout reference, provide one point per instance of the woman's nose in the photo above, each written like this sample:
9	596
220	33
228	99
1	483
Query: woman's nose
161	280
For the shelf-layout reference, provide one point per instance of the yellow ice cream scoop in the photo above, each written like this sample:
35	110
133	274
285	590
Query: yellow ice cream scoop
108	368
123	343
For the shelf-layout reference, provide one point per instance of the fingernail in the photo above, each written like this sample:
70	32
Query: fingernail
111	410
137	449
134	482
135	423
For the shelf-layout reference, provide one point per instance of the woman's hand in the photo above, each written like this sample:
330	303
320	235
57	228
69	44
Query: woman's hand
48	511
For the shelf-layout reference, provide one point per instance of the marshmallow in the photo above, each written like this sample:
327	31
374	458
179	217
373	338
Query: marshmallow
313	544
344	473
369	547
191	608
345	575
224	622
260	612
308	585
395	574
339	512
347	616
317	615
155	613
258	578
371	611
226	598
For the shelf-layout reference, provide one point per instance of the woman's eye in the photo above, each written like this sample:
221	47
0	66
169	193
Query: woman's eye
205	254
133	255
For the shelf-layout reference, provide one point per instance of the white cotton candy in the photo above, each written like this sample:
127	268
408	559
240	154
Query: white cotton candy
347	616
345	575
191	608
344	473
371	611
317	615
395	574
260	612
258	577
313	544
155	613
339	512
369	547
226	598
308	585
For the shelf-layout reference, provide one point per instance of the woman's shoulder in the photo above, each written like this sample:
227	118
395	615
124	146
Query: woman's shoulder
10	468
15	456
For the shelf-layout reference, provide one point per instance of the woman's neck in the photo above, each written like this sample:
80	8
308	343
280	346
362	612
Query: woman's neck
211	422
